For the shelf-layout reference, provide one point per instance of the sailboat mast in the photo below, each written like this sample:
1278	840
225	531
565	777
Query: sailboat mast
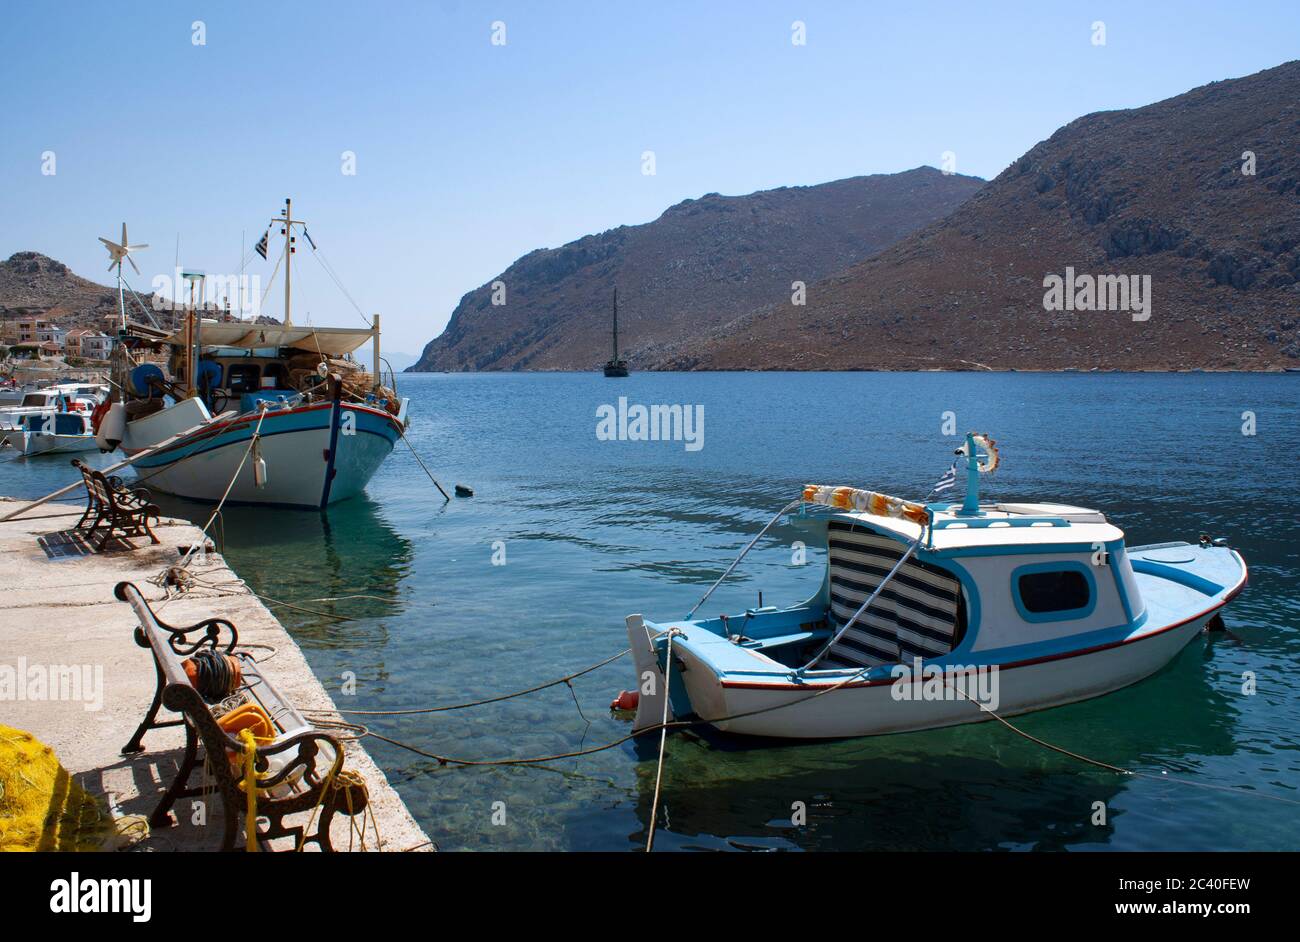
616	324
288	260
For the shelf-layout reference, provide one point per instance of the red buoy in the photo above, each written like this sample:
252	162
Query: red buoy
626	700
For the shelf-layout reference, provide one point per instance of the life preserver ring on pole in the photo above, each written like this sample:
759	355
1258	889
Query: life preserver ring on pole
990	446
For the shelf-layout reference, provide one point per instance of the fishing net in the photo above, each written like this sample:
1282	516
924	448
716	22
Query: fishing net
43	808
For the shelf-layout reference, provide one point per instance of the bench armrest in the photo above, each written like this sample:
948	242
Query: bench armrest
306	747
211	627
177	637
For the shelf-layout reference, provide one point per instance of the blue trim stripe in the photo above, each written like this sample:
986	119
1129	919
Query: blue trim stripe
1174	574
241	430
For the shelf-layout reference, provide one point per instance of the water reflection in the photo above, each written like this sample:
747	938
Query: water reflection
978	787
341	571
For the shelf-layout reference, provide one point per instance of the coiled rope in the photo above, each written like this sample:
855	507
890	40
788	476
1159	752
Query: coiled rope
217	675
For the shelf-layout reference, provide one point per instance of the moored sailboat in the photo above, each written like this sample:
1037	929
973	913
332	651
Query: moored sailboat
616	366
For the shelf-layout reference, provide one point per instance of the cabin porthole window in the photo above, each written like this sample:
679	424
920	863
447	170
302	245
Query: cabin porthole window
1056	591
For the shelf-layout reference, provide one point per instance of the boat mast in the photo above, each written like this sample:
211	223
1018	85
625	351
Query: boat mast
970	506
288	260
615	324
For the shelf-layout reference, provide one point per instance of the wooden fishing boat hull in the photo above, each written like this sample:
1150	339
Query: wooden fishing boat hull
314	455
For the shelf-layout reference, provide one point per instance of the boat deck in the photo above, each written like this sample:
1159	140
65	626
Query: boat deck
1179	581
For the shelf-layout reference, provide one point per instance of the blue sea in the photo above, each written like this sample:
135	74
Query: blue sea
567	533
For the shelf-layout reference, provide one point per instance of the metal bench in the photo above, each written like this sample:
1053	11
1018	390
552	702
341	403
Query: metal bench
307	761
113	509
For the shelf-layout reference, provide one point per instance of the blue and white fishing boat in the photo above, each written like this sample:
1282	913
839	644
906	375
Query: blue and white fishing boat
936	614
68	397
322	424
51	433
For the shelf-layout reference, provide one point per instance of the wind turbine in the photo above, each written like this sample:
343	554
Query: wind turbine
117	251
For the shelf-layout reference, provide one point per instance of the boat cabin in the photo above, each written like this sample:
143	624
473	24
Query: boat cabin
236	365
55	423
1016	576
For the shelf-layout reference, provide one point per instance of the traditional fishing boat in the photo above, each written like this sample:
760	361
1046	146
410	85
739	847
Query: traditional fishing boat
933	614
259	412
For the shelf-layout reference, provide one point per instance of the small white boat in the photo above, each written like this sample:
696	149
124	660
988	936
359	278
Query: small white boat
937	614
52	433
48	400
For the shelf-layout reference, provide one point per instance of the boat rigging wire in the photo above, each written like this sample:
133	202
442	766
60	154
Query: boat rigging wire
865	605
270	281
782	512
338	282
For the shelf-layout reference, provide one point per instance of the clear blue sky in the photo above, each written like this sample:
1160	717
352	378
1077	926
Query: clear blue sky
470	154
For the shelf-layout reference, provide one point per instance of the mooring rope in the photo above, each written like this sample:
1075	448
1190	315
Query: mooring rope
663	744
252	443
666	725
423	467
1162	777
497	699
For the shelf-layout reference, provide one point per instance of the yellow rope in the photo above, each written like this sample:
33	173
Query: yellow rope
250	788
335	769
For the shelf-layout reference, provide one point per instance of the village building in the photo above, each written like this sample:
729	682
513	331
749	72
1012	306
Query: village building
88	343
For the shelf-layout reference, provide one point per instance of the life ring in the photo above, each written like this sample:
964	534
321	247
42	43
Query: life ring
97	416
990	446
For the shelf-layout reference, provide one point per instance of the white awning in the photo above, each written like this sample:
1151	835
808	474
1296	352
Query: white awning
329	341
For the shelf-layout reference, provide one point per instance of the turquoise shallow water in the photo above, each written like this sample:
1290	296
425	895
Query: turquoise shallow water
593	530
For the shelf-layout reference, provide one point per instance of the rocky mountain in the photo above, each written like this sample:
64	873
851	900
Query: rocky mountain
1197	196
35	285
32	284
699	265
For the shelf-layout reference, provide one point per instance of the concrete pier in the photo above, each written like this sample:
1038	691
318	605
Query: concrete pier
57	608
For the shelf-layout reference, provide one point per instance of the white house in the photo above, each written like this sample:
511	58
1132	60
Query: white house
88	343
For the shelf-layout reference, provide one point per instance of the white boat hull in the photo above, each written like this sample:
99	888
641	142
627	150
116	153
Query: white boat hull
784	710
38	443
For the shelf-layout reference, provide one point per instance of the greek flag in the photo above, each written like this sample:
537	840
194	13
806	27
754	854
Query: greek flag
261	245
948	481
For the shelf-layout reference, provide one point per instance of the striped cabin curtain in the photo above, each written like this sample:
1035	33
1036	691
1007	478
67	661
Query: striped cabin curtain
915	616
